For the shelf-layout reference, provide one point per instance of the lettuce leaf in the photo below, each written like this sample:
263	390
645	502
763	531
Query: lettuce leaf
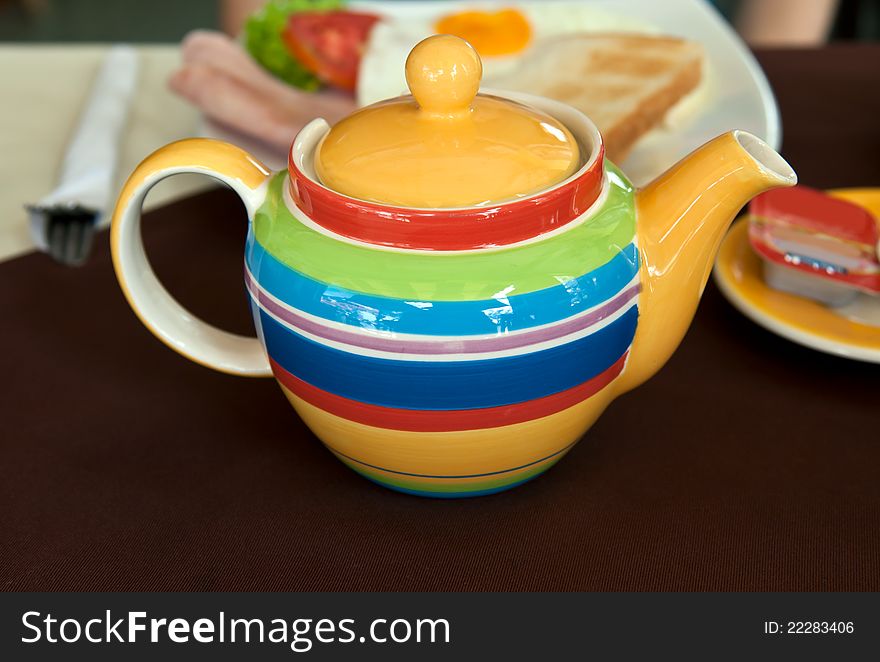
263	41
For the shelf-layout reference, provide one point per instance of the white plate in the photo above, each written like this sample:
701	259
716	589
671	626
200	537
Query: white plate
734	94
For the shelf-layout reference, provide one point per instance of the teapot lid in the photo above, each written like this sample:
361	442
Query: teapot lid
445	145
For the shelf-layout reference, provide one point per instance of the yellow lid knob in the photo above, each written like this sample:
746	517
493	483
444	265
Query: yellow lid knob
443	73
446	145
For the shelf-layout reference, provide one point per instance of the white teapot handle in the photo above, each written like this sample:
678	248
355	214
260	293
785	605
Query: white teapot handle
156	308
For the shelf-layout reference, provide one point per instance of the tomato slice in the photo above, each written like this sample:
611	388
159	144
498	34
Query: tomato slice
330	44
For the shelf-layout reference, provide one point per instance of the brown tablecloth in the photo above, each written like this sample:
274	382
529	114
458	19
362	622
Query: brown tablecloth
748	463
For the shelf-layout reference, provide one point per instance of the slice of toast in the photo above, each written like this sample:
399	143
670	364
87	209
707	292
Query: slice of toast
625	83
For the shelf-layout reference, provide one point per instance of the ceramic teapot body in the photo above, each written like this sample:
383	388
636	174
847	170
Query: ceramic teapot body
456	352
455	358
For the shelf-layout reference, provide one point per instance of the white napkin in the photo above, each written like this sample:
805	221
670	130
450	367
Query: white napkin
87	173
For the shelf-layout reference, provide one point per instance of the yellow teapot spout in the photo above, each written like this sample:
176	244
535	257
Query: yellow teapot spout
682	217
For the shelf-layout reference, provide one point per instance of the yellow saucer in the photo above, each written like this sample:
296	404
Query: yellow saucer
739	275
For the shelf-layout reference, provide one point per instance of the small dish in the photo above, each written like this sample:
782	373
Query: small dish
852	331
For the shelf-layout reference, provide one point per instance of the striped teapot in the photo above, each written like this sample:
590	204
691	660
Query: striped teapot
450	287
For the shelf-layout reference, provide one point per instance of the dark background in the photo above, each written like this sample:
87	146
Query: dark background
169	20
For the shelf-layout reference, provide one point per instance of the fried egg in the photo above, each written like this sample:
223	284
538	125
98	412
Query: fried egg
501	33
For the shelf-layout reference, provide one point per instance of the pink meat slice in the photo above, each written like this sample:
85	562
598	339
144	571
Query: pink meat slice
225	83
